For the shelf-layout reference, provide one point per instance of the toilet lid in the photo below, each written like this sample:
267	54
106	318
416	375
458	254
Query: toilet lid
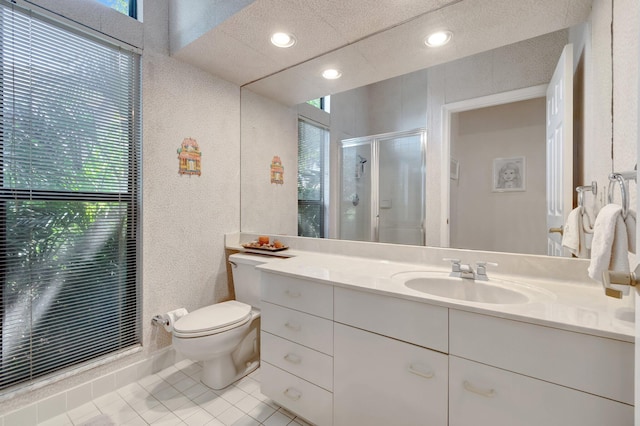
211	318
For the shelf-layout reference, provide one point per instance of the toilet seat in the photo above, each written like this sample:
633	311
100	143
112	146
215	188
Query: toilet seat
213	319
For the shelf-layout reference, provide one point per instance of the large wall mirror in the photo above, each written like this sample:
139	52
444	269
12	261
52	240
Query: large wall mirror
466	148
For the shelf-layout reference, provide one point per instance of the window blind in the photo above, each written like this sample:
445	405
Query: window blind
311	170
69	195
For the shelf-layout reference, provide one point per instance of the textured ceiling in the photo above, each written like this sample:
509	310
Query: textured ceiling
368	40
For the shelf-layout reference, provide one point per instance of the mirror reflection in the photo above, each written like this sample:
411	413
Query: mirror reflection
476	110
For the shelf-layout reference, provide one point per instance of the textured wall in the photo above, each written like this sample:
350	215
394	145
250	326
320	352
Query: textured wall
268	129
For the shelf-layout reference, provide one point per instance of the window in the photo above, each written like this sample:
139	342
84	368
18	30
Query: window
69	194
321	103
128	7
312	175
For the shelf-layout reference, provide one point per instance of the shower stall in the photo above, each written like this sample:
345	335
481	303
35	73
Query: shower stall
382	191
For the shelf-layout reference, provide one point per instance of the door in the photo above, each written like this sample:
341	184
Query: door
559	150
382	188
357	216
401	189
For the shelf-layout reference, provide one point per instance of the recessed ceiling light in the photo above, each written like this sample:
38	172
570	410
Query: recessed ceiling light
283	39
439	38
331	74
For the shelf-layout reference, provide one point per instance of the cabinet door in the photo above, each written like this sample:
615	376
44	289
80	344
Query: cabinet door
483	395
382	381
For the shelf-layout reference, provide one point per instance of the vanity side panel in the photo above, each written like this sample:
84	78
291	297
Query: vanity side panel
414	322
592	364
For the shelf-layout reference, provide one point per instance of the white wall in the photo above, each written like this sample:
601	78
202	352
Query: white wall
513	222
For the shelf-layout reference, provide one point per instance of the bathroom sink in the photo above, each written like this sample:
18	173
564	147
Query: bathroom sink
494	291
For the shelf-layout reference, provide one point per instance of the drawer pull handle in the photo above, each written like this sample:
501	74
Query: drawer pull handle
489	393
294	327
413	370
293	358
293	293
292	393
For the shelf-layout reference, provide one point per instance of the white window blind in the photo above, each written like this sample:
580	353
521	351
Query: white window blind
69	194
312	141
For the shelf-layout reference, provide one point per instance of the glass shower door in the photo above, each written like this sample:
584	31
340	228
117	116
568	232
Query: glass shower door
382	190
356	214
401	189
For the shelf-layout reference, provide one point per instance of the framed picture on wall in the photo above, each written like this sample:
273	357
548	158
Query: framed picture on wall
508	174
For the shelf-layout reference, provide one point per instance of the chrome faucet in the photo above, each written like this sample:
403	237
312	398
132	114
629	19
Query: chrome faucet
460	270
481	270
464	270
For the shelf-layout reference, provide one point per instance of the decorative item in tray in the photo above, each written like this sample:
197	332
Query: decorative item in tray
263	244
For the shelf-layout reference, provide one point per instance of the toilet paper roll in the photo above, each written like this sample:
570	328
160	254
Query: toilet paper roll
171	317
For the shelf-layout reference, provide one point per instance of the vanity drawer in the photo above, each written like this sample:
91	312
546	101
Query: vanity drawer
381	381
308	330
414	322
592	364
295	293
301	361
484	395
299	396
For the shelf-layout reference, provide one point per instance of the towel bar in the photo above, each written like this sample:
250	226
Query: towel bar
622	179
593	188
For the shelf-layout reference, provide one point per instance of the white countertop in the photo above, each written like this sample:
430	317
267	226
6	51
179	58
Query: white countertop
578	308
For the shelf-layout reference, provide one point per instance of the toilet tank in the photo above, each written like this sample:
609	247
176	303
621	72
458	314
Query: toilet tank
246	278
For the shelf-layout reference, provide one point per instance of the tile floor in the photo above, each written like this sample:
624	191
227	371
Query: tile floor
175	396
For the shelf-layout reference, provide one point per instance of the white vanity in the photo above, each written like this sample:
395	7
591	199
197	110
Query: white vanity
345	342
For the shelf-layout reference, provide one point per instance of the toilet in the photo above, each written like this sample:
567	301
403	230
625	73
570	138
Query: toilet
225	336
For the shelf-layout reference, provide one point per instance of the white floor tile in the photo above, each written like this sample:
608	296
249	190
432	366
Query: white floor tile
216	407
248	403
107	399
140	405
136	421
199	418
248	385
230	416
156	413
168	420
175	396
262	412
187	410
277	419
195	391
120	412
246	421
61	420
150	381
83	412
232	394
184	384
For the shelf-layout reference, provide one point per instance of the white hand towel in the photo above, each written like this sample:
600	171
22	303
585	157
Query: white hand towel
573	237
587	227
609	250
630	222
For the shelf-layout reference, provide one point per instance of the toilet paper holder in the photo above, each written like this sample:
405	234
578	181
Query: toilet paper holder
158	320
